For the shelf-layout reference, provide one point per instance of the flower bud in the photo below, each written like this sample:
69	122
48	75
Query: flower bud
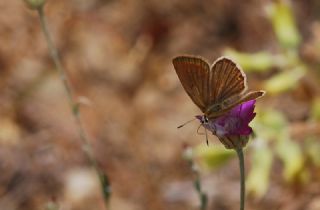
35	4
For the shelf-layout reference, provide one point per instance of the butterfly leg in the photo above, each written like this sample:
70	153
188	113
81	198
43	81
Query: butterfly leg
207	137
198	130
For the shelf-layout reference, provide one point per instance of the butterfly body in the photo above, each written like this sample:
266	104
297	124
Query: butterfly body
215	89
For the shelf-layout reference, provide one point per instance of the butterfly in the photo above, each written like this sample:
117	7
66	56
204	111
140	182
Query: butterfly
215	89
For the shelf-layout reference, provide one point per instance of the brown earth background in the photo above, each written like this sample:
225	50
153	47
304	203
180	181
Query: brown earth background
118	55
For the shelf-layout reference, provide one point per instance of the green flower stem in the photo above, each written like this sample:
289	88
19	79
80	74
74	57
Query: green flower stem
202	195
86	146
197	185
242	177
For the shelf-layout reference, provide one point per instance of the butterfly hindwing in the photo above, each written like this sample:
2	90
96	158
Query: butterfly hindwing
230	103
226	80
252	95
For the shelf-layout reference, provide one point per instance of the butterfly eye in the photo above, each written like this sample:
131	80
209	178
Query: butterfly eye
204	120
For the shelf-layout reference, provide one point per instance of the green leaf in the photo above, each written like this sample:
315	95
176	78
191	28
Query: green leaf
270	124
35	4
284	81
213	157
315	109
284	25
313	150
292	158
255	62
259	176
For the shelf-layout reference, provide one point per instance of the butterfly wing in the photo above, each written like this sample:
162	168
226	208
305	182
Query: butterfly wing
217	90
229	103
252	95
226	79
193	73
227	82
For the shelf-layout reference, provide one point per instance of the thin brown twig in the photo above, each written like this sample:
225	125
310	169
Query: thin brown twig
86	146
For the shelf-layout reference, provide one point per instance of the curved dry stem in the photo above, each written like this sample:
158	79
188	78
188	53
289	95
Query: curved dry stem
86	146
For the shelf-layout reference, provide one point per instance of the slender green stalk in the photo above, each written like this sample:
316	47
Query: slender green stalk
197	181
202	195
86	146
242	178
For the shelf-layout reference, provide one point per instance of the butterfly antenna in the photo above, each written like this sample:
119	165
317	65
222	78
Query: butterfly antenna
180	126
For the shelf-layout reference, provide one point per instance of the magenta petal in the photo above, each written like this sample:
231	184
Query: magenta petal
235	122
246	115
245	131
247	111
244	111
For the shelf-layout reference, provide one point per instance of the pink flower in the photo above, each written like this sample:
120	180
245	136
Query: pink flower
234	124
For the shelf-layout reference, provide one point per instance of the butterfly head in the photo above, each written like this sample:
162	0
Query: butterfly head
203	119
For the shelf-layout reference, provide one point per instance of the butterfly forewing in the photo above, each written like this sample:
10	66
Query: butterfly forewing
193	73
227	80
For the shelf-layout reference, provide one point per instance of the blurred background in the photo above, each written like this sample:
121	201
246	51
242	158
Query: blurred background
118	57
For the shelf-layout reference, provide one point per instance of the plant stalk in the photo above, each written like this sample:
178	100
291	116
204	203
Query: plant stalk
86	146
242	177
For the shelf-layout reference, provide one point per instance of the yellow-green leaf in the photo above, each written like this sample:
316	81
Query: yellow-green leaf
292	158
254	62
313	150
284	25
315	109
213	157
258	178
270	124
284	81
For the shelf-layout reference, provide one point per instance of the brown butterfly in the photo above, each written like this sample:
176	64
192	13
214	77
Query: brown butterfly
215	89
